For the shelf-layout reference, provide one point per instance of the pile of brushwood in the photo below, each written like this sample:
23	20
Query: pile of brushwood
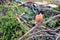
18	23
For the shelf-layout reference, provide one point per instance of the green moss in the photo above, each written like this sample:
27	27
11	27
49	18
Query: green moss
9	25
52	24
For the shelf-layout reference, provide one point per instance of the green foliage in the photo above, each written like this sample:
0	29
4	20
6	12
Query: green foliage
11	28
58	8
1	7
52	24
29	14
21	9
24	27
45	19
31	22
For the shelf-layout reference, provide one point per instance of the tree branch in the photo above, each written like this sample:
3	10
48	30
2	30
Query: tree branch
50	19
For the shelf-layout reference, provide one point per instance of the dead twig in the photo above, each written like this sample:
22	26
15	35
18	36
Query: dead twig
57	29
19	18
25	22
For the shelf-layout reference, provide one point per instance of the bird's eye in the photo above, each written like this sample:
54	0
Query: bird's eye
34	5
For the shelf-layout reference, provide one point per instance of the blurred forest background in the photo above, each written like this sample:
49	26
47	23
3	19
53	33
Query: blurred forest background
18	22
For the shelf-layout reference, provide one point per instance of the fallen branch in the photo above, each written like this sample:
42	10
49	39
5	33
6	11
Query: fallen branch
57	29
47	30
37	36
41	31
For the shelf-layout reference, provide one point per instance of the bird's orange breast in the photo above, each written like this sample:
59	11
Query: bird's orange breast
38	17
